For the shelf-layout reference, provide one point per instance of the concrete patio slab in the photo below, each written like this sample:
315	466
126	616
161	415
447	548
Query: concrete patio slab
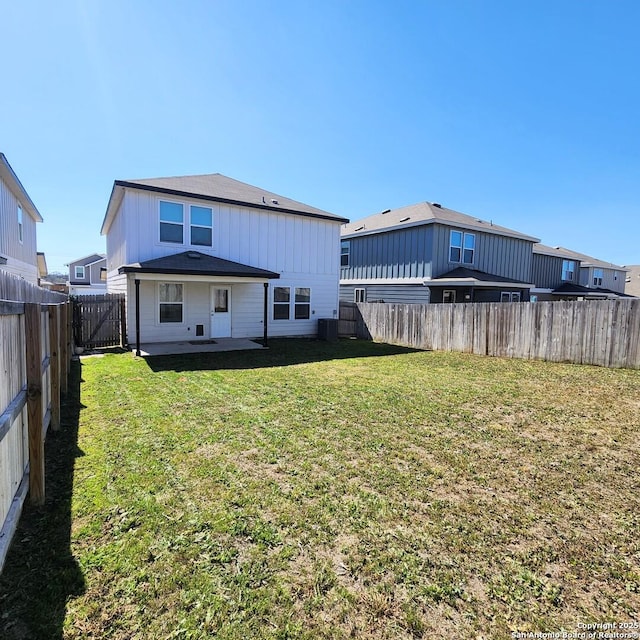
204	346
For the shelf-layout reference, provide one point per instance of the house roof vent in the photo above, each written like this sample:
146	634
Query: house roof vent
360	228
274	201
437	204
194	255
385	211
405	219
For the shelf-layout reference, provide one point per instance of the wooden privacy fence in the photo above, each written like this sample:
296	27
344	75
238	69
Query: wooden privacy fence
34	365
99	321
599	332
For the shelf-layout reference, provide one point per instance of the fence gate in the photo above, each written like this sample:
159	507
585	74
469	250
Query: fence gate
99	321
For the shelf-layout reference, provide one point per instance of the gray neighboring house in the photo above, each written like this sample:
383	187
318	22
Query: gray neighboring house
427	253
88	275
563	274
632	281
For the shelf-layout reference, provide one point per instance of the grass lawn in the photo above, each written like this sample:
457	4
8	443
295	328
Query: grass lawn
333	491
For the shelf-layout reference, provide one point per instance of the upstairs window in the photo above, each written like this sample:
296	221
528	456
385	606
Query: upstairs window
79	272
598	274
201	226
20	226
171	222
462	247
345	252
359	295
568	269
302	303
170	302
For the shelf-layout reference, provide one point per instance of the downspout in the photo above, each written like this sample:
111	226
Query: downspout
266	313
137	282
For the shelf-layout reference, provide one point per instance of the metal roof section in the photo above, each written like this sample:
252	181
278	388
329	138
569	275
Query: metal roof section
14	184
197	264
214	187
425	213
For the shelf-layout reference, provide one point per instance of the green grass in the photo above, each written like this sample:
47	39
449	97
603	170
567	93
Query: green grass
334	491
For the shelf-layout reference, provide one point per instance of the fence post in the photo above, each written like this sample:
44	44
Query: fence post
64	354
34	402
54	363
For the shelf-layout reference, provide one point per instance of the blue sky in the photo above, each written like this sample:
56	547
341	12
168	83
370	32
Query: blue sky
525	113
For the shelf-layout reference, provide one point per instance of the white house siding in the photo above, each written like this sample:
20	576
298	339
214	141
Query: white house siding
21	257
303	250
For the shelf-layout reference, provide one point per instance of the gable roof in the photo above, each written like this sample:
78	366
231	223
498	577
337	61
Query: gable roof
216	188
425	213
195	263
14	184
571	289
87	260
585	260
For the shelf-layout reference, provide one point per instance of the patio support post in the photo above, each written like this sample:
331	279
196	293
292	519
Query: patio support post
137	282
266	312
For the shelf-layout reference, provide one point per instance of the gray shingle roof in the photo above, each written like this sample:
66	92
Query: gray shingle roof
585	260
197	264
215	186
425	213
466	274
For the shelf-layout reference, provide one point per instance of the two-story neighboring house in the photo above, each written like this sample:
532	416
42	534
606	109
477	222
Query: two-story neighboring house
428	253
556	273
204	257
18	218
563	274
632	281
88	275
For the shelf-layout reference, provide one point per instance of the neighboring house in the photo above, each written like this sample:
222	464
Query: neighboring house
43	271
632	281
18	218
556	273
201	257
88	275
428	253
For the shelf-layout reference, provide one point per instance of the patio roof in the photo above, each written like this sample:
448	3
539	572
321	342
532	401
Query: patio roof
464	277
197	264
577	290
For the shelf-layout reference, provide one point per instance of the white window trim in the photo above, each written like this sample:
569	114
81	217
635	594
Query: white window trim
464	235
362	292
346	253
453	295
570	271
75	272
293	316
20	224
512	296
186	225
158	303
599	277
200	226
274	303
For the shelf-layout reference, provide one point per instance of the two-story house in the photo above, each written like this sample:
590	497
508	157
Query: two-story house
556	274
427	253
205	257
563	274
18	218
88	275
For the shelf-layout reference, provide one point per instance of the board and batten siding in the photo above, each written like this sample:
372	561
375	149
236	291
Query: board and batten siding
275	241
402	253
496	254
21	257
546	271
403	293
609	280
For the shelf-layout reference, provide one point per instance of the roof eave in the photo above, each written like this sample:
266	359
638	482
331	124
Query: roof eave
16	186
267	275
186	194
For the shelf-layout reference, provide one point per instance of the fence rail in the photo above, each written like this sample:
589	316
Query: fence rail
599	332
34	363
